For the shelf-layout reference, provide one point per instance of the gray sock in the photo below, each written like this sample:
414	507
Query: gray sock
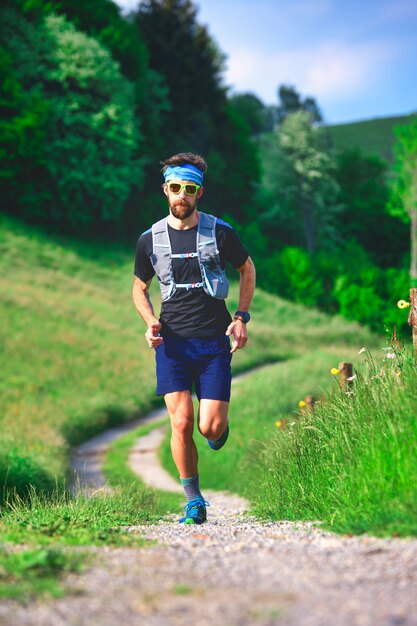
191	487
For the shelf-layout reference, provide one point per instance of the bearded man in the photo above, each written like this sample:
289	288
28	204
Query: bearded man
188	251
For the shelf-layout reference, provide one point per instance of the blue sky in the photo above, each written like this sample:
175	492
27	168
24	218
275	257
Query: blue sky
358	59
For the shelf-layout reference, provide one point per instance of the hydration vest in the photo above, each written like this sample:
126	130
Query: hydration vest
213	276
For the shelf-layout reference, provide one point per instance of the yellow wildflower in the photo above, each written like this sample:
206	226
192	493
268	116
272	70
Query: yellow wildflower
301	404
334	371
278	423
402	304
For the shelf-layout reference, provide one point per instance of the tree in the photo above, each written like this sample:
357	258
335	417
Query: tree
299	179
290	102
258	117
365	218
183	52
404	197
83	172
101	19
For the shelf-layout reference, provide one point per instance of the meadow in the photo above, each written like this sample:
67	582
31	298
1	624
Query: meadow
74	361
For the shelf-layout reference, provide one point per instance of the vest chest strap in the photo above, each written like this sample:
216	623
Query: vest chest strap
189	285
184	255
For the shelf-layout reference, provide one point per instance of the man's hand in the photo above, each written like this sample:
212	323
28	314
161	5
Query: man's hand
239	335
152	335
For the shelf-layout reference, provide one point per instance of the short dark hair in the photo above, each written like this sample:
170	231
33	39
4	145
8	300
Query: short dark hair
182	158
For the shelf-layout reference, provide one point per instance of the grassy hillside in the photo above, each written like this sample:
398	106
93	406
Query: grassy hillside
73	356
373	137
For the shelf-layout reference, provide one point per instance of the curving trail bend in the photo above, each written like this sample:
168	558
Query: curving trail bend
233	570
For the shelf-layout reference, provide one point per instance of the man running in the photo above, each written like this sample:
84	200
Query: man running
188	250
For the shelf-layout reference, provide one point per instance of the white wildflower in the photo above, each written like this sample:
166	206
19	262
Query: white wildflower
362	350
390	355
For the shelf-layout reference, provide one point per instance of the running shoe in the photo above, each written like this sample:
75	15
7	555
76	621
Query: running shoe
195	512
219	443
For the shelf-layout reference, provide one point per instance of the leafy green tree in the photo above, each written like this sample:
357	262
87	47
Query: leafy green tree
84	172
290	101
101	19
183	52
404	197
258	117
23	121
299	183
365	218
92	129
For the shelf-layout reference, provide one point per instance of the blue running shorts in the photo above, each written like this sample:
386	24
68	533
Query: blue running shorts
204	363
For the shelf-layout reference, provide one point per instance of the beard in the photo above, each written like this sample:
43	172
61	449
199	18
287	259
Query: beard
181	209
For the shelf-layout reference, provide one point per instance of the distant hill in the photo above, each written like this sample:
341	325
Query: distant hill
373	137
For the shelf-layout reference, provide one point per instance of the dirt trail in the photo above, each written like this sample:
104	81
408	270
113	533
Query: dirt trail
233	570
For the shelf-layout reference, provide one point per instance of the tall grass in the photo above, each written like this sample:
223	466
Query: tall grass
353	463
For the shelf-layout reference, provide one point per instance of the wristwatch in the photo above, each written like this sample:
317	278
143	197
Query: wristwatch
243	316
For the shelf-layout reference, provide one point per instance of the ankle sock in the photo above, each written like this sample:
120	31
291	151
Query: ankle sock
191	487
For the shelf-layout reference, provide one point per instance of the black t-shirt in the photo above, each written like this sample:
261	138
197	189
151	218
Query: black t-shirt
191	312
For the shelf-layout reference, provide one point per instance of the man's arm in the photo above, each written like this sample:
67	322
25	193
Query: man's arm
246	290
143	304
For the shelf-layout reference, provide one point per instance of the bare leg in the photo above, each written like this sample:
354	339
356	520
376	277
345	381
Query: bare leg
212	418
184	451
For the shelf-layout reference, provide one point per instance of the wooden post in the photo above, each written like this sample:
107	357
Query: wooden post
308	406
310	402
412	318
346	371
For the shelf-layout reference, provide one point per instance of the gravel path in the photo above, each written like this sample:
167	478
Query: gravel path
233	570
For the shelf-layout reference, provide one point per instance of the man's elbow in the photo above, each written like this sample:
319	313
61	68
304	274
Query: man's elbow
139	288
248	267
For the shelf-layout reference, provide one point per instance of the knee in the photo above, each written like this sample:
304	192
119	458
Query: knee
212	430
182	425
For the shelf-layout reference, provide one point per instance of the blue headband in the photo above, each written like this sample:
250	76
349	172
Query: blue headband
184	172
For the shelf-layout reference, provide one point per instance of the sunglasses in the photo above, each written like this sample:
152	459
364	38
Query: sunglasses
189	188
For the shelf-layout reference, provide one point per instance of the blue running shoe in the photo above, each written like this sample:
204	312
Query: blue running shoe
195	512
219	443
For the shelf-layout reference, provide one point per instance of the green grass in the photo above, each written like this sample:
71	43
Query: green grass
73	356
353	464
373	137
25	574
44	537
118	473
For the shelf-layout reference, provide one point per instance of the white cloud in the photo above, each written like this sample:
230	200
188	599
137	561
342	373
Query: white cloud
331	72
